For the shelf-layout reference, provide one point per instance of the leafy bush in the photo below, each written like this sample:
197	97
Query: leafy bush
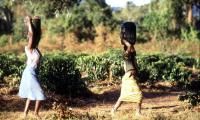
169	68
19	30
3	40
190	34
156	24
58	73
192	92
100	67
9	65
12	80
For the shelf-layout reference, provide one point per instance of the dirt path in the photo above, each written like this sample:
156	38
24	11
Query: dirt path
156	101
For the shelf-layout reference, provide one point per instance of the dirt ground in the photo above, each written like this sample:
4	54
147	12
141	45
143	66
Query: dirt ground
159	103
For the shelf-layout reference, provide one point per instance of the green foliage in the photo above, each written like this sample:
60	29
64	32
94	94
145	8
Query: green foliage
192	92
49	8
70	16
157	24
6	16
9	65
166	20
58	25
12	80
168	68
99	13
58	73
190	34
131	12
61	72
19	30
142	35
80	25
99	67
3	40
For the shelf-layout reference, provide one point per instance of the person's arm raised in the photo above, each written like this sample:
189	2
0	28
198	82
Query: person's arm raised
30	32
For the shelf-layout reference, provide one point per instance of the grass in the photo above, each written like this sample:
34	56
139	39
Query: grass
68	43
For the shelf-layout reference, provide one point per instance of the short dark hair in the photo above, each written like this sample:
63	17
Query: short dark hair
128	32
37	32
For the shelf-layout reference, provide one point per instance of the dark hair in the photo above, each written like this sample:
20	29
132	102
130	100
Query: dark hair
128	32
36	25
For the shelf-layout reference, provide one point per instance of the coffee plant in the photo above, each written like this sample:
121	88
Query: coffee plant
10	64
58	73
192	92
61	72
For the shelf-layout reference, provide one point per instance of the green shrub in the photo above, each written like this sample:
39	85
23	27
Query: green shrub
157	24
99	67
12	80
168	68
10	64
189	34
3	40
19	30
192	92
58	73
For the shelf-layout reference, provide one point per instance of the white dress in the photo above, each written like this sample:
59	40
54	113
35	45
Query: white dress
29	86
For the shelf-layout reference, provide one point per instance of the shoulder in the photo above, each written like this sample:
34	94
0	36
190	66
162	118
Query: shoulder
27	50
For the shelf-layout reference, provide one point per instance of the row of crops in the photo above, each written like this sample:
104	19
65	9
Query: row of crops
61	72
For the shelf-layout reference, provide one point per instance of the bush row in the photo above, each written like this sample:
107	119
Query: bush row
61	72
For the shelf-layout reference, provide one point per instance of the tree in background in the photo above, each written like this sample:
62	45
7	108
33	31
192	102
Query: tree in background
77	16
49	8
6	21
131	12
167	18
82	19
6	16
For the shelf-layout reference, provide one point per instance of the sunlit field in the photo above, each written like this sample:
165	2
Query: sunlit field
160	102
83	59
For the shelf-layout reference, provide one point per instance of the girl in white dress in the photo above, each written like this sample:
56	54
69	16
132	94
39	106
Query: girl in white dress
29	86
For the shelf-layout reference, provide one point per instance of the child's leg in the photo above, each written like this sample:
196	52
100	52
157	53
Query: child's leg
28	101
117	105
37	107
138	109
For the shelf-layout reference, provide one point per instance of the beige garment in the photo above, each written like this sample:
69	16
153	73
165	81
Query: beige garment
130	91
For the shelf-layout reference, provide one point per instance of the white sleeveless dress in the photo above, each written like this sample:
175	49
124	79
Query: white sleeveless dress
29	86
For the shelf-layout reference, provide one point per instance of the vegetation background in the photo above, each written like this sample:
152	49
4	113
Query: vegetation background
83	57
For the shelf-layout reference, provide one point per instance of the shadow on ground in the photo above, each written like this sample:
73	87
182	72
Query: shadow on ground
10	102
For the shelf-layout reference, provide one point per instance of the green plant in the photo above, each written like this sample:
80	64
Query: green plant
3	40
189	34
19	30
12	80
10	64
58	73
192	92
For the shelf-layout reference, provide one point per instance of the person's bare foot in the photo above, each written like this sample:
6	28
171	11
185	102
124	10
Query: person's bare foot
37	116
138	114
112	112
25	114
